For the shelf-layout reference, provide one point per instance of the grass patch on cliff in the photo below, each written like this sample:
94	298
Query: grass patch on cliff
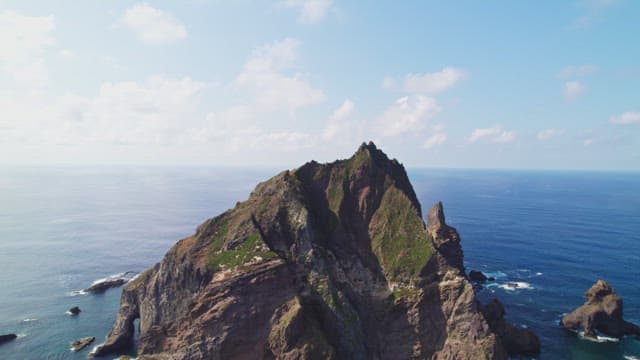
250	249
398	237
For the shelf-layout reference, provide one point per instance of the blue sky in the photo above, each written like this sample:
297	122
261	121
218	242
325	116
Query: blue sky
465	84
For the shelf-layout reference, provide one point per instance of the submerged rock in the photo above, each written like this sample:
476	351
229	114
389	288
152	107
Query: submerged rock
74	311
602	312
7	338
327	261
517	341
81	343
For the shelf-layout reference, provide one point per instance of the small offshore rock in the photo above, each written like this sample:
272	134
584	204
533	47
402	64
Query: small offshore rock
477	276
7	338
105	285
602	312
81	343
74	311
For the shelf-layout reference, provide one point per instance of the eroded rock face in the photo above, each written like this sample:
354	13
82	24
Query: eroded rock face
328	261
602	312
515	340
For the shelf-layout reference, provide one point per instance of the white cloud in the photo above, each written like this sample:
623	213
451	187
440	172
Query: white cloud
435	140
338	121
153	26
577	71
24	41
408	113
573	90
263	76
310	11
427	83
149	112
494	134
548	134
629	117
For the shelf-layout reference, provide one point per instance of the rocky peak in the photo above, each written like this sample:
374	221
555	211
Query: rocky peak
598	291
324	261
435	218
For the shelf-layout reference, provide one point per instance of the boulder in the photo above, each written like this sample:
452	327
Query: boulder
81	343
7	338
602	312
517	341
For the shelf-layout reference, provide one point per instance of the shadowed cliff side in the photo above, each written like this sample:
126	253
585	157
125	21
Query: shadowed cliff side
324	261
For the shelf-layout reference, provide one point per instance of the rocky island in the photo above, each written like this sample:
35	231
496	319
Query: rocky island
601	313
330	261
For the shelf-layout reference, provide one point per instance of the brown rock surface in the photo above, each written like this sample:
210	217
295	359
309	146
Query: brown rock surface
329	261
515	340
602	312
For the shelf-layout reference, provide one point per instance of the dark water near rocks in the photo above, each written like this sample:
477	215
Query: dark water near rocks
62	228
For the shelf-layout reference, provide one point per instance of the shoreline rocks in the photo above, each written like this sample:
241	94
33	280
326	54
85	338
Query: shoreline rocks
602	312
517	341
106	284
80	344
7	338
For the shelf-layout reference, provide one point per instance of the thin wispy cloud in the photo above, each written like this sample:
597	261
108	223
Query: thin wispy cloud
427	83
573	90
495	134
153	26
627	118
434	140
573	71
309	11
549	134
591	12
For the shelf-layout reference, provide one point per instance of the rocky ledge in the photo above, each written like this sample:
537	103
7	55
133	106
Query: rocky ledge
80	344
328	261
601	313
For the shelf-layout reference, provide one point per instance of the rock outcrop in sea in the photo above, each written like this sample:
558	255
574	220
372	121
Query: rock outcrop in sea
80	344
601	313
7	338
103	285
327	261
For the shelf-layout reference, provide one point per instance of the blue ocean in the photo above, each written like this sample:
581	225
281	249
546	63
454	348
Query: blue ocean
554	233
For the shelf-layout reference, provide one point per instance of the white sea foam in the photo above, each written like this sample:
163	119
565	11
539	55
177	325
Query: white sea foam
95	348
29	320
539	274
77	293
495	274
21	335
128	276
631	357
598	338
516	285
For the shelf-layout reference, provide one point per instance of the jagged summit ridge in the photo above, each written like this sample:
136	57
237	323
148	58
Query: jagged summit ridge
324	261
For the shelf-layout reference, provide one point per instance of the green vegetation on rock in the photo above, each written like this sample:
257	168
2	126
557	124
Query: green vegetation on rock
252	248
398	237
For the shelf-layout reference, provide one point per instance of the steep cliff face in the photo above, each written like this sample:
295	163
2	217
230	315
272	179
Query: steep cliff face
324	261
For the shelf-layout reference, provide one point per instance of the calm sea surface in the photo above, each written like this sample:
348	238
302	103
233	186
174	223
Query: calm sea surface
62	228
